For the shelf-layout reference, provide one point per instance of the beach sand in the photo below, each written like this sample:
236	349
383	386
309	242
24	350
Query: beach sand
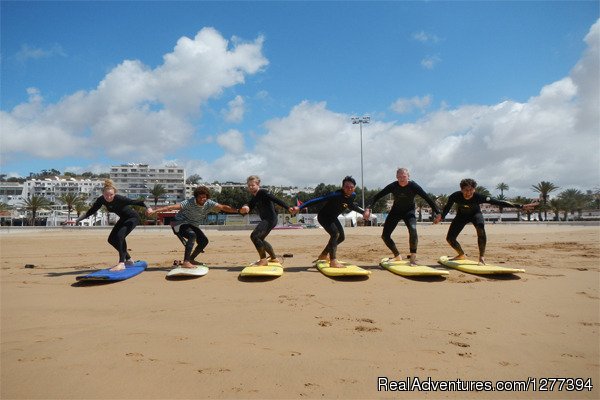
302	335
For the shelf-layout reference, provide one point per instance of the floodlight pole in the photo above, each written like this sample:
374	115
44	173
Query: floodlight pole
360	121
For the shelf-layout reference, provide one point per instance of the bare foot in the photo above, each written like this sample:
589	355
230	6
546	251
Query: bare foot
119	267
275	260
481	261
336	264
458	257
194	262
187	264
397	258
322	258
261	263
128	262
413	260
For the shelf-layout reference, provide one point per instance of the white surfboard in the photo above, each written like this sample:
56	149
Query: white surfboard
199	270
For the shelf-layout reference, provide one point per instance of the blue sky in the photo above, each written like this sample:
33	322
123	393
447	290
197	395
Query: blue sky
488	90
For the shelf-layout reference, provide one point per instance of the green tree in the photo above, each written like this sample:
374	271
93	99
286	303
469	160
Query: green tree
502	187
34	204
544	189
482	190
234	197
157	192
556	205
81	208
522	200
574	201
71	200
193	179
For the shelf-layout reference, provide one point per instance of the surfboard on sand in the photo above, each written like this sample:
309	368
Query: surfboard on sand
348	270
405	269
107	275
472	267
273	269
198	270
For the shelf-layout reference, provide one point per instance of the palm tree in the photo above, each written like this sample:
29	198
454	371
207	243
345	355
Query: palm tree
544	188
557	205
71	200
157	192
81	207
34	203
483	191
574	200
502	187
522	200
420	203
441	201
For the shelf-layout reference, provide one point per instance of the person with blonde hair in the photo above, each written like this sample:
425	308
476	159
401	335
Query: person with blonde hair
128	220
404	192
264	203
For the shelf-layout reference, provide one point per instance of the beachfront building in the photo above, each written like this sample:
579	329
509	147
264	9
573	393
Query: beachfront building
11	193
137	181
15	194
54	188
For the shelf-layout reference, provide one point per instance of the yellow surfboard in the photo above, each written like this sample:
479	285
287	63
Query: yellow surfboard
473	267
273	269
405	269
347	270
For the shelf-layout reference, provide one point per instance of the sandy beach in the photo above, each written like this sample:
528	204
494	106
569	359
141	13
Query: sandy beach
302	335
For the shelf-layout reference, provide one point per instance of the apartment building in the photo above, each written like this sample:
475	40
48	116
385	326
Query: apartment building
137	180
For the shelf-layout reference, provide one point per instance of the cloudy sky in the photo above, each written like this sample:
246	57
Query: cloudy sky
497	91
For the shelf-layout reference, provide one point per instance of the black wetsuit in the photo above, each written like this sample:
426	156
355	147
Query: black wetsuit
335	204
470	212
403	209
264	202
128	220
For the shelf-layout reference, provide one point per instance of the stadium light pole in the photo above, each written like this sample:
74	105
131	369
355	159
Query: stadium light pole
360	121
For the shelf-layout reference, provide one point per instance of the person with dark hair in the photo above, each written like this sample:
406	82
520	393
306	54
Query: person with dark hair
264	202
128	220
186	224
335	203
468	201
404	192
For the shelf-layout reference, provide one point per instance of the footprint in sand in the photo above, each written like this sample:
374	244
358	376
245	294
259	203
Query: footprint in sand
362	328
460	344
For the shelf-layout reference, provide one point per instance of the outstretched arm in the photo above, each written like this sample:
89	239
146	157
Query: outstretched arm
227	209
172	207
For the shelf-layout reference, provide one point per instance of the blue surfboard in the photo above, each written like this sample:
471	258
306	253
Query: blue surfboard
107	275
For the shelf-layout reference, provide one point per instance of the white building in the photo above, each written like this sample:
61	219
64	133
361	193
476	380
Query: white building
53	188
137	180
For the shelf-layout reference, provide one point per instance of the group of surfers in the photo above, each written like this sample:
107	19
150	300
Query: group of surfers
193	212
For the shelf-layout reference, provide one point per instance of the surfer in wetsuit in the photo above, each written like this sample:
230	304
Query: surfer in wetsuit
335	203
263	202
128	220
186	224
404	192
468	211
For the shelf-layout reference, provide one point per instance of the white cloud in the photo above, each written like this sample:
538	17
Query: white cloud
405	106
235	113
232	141
430	62
134	109
551	137
35	53
425	37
